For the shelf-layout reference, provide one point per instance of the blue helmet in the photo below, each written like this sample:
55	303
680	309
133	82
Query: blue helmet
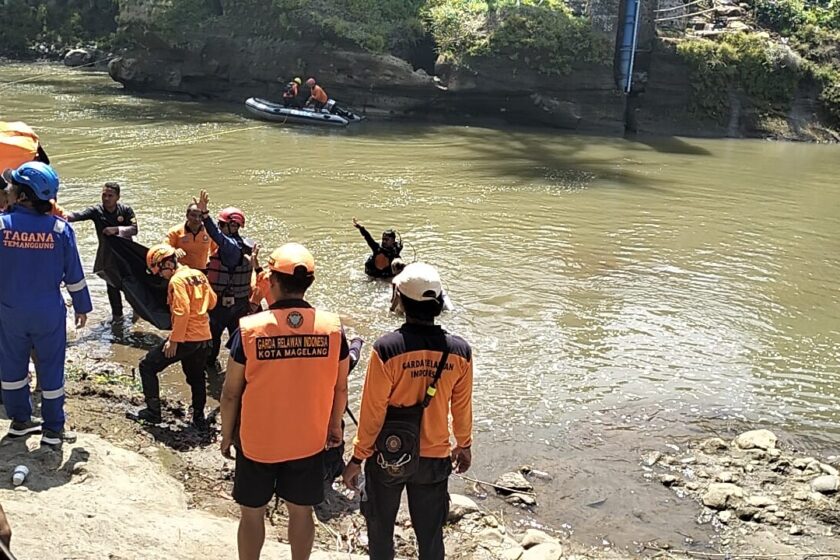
40	177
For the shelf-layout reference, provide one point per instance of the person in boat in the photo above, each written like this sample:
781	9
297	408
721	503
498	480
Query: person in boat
378	264
191	241
317	96
291	94
111	217
190	299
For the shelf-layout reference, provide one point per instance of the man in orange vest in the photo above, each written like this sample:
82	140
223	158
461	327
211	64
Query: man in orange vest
317	96
191	241
286	385
417	366
190	299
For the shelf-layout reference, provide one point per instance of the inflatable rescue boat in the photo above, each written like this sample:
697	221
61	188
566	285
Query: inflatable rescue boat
276	112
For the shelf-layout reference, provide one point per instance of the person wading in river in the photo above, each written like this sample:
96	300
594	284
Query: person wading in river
287	376
417	376
378	264
109	218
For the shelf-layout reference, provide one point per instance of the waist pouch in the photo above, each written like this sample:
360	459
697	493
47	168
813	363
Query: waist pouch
398	443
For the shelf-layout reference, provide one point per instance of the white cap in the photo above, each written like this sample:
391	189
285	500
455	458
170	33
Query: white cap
419	282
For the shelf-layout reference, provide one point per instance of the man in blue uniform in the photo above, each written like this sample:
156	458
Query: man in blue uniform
38	252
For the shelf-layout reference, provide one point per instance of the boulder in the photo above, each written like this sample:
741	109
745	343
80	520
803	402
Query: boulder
829	470
725	516
757	439
669	480
500	545
459	506
78	57
545	551
825	484
726	476
512	482
534	537
525	500
721	495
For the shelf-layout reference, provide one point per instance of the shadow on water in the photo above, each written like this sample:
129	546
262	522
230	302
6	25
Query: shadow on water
669	145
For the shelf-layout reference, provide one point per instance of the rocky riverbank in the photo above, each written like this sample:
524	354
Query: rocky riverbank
124	488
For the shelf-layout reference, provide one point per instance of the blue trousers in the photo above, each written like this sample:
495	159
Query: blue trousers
21	330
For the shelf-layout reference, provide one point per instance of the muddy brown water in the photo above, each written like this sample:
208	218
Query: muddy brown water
620	295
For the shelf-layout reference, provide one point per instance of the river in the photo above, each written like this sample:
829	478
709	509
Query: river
619	294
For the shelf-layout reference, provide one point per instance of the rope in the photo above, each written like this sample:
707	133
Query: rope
162	143
686	15
7	85
679	7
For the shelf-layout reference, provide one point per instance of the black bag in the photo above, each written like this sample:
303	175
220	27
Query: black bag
398	443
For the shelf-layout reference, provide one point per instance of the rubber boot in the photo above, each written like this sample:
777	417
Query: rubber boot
151	413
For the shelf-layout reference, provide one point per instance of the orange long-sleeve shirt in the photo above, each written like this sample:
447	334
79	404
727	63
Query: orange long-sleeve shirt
190	298
197	246
401	367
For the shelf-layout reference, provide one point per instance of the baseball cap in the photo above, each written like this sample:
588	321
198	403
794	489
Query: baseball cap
290	256
419	282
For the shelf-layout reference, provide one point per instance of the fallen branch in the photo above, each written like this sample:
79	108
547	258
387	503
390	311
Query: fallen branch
505	488
730	556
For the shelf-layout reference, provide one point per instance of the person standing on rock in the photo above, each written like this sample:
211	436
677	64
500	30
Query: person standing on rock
110	218
191	241
285	392
417	376
190	299
39	253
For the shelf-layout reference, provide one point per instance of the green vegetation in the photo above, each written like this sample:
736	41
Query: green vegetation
750	63
24	23
545	32
765	69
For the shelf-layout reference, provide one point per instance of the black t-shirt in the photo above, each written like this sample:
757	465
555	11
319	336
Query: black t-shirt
122	216
237	351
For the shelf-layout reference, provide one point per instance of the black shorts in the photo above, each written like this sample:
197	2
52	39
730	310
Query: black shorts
300	482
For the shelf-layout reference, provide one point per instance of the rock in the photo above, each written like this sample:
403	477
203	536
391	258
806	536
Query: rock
530	471
533	537
802	495
512	481
652	458
829	470
813	467
726	476
760	501
746	513
724	516
78	57
521	500
738	25
500	545
459	506
774	453
757	439
545	551
825	484
720	495
795	530
692	486
669	480
803	462
713	445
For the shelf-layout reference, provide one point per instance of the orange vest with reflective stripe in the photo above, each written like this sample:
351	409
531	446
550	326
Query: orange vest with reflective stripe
291	370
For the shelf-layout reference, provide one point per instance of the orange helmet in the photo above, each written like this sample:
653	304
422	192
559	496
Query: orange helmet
310	82
231	214
157	255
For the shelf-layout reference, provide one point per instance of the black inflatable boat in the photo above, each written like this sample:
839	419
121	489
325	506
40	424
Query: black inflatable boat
276	112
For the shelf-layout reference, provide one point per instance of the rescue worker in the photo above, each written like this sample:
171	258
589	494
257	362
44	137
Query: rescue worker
229	271
191	242
286	389
402	372
111	217
378	264
190	297
291	94
39	253
317	96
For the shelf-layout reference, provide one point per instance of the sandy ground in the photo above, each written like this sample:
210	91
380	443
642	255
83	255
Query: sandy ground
96	500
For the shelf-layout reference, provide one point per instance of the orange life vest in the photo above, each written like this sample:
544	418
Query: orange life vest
291	369
319	95
18	144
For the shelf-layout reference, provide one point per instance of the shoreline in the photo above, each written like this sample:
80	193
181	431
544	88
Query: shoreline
100	392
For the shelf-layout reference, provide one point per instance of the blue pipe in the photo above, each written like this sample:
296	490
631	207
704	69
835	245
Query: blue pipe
627	45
